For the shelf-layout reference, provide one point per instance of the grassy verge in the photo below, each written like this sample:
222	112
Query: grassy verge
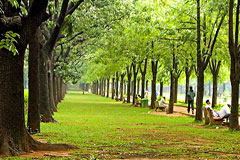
105	129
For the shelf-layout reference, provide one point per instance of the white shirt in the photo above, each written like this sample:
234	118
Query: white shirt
208	106
224	111
162	102
214	113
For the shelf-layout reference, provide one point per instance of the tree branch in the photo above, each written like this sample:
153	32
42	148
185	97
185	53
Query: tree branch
73	7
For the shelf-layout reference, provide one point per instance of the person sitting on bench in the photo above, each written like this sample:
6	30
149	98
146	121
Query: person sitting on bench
139	99
209	106
224	112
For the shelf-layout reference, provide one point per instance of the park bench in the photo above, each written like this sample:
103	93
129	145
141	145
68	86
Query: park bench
157	106
214	120
206	116
137	103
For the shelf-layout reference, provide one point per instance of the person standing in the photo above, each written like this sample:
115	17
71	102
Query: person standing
83	91
191	95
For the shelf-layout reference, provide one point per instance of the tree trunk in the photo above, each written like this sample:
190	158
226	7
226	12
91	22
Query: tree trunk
214	67
187	88
121	86
200	77
200	91
172	94
134	82
143	72
100	87
50	86
117	80
132	87
173	84
44	90
129	75
34	87
108	83
58	89
13	132
146	85
143	87
234	74
215	85
124	87
55	89
138	86
97	88
161	89
104	87
61	87
234	122
113	90
154	81
176	90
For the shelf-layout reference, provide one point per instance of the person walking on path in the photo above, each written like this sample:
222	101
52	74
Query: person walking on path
191	95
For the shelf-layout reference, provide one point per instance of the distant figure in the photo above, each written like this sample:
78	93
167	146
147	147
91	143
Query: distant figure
146	94
139	99
83	91
162	102
209	106
191	96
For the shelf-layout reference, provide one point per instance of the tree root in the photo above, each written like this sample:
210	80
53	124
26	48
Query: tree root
48	119
12	147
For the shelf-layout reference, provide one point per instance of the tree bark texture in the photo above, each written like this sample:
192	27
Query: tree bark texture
176	89
172	94
161	89
200	91
143	73
146	85
33	123
113	89
121	86
235	64
129	75
135	72
46	114
154	81
117	81
108	83
97	85
214	67
104	87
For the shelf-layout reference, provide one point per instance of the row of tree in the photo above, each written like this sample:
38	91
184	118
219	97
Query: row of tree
161	40
53	37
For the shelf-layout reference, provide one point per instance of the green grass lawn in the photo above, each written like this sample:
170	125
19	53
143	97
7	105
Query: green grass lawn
105	129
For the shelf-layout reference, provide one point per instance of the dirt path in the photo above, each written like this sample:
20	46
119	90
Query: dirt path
179	111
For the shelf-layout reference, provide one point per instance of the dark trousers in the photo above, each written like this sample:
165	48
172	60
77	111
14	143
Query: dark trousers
190	103
227	117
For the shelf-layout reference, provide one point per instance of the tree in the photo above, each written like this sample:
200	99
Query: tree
14	138
235	66
205	51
